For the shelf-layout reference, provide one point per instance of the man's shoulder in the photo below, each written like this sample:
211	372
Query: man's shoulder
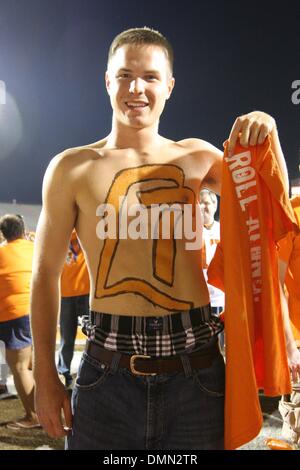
214	230
199	146
27	242
194	143
75	153
74	156
22	245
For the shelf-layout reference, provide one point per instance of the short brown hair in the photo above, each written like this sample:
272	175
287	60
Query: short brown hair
140	36
12	227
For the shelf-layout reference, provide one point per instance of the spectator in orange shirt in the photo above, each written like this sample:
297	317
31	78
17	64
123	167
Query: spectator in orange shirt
15	275
3	365
75	287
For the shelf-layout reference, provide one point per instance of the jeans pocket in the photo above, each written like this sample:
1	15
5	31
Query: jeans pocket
91	373
211	380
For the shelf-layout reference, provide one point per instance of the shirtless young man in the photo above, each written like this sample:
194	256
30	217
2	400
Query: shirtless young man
148	295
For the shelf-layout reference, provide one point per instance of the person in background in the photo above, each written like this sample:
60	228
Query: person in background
211	237
4	393
3	373
15	274
75	286
289	276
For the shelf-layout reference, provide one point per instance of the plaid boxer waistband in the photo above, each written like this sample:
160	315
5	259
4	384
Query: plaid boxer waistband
127	324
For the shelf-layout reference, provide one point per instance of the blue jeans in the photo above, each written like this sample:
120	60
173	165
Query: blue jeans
70	309
115	410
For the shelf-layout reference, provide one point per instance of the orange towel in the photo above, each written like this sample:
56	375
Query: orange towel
257	212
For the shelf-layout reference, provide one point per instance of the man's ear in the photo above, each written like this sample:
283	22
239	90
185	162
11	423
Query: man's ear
171	85
107	81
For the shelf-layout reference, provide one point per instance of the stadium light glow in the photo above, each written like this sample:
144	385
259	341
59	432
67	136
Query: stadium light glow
11	125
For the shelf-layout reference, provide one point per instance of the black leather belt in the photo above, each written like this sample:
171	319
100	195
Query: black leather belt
146	365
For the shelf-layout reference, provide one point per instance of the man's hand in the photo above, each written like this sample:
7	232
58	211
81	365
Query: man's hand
253	129
51	398
294	363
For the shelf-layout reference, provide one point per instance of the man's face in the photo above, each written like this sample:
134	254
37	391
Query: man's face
139	82
208	209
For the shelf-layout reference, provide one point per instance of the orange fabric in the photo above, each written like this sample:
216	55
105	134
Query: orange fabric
289	251
285	247
75	277
15	276
255	206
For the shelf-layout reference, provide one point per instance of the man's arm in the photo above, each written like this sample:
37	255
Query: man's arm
292	351
250	129
52	237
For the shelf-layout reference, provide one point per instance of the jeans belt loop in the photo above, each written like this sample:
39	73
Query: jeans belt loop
186	365
115	362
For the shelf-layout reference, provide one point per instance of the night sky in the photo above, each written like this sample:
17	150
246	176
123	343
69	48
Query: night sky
230	58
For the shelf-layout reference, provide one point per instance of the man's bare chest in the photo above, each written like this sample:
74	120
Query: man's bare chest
140	180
